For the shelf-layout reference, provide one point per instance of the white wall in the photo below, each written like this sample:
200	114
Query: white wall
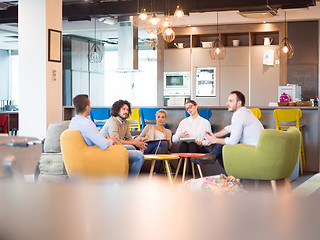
40	100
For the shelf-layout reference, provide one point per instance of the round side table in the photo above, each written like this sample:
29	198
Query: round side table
185	157
162	157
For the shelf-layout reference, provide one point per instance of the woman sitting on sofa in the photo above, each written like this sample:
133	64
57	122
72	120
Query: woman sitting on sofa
151	133
192	131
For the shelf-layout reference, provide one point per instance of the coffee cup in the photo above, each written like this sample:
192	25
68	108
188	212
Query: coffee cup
236	42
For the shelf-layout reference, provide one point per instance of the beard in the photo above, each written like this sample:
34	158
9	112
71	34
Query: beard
124	117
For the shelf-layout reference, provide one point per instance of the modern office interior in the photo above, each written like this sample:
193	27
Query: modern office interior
53	50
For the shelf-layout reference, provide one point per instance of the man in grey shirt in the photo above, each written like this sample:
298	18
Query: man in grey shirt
118	125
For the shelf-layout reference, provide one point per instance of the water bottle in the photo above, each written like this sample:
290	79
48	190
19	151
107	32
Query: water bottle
315	101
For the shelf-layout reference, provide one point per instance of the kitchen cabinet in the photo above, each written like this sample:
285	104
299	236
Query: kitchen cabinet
177	60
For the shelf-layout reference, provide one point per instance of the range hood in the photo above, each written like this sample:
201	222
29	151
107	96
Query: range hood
127	47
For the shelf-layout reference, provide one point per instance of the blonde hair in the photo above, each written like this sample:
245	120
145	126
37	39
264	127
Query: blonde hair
162	111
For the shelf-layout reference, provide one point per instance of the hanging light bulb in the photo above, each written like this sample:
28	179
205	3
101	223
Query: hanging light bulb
286	49
143	14
179	12
95	54
154	20
166	21
168	34
218	52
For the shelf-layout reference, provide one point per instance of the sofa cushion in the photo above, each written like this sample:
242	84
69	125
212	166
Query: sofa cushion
52	164
52	141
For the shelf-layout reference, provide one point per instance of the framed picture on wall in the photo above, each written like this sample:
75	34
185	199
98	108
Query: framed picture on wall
54	45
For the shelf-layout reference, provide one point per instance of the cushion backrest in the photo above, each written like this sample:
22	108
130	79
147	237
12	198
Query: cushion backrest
52	141
280	149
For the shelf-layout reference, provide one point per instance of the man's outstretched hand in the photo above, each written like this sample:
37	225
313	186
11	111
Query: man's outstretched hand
113	138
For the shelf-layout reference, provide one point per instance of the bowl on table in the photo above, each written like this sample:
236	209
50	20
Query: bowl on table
281	104
292	104
304	103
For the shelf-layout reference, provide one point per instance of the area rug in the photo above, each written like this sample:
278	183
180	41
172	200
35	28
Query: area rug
309	186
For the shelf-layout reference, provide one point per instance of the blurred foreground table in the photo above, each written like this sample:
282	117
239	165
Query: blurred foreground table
150	209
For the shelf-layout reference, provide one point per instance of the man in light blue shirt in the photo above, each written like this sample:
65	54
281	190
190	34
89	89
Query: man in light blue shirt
92	136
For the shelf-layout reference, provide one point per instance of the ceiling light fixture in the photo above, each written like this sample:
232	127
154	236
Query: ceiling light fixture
218	52
141	20
179	12
286	49
168	34
95	54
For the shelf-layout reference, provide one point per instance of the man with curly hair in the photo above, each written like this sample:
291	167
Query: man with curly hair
118	125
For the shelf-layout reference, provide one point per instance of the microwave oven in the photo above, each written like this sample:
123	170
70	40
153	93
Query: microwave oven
177	80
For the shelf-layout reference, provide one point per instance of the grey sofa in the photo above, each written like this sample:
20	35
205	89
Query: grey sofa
51	164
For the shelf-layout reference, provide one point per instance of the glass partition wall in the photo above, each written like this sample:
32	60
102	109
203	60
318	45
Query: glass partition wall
105	82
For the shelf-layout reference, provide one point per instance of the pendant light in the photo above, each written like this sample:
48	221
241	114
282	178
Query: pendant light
141	20
286	50
218	52
95	54
168	34
166	19
179	12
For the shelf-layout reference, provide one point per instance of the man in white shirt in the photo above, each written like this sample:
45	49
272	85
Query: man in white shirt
245	128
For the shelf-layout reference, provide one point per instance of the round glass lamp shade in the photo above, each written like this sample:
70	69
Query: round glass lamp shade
179	12
168	34
95	54
218	52
286	50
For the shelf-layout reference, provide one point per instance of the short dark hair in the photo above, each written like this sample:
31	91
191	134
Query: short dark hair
240	97
116	106
194	103
80	102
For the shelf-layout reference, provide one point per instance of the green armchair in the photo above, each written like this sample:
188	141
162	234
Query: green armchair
275	156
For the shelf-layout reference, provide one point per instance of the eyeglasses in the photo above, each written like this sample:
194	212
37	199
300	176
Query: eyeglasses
189	107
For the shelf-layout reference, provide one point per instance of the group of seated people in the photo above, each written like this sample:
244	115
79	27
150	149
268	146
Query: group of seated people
245	128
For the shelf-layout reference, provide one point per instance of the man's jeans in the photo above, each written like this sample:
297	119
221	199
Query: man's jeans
136	160
217	151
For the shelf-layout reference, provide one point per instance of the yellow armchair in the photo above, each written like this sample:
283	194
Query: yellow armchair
92	163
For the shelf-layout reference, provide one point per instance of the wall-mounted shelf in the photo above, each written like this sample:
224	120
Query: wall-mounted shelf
197	39
185	39
257	38
248	36
227	38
